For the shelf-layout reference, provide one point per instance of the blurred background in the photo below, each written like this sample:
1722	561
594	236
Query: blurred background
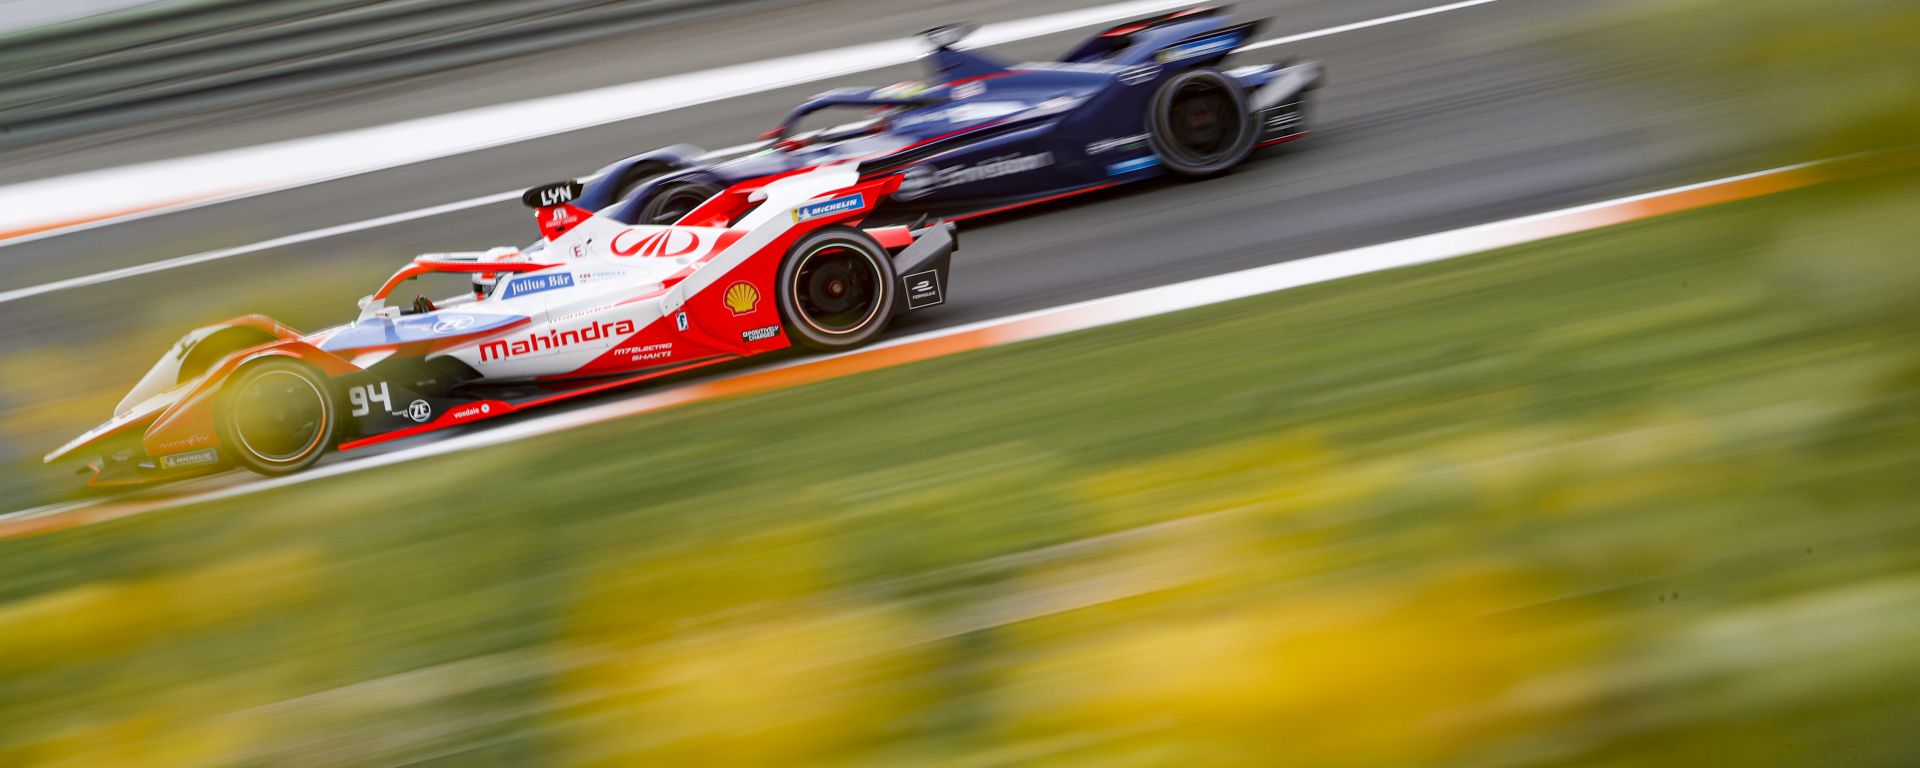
1642	496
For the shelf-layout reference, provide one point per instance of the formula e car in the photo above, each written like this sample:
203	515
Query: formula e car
1139	100
602	303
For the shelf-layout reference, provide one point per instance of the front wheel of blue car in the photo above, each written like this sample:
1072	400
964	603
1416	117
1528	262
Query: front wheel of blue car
836	289
277	417
1200	123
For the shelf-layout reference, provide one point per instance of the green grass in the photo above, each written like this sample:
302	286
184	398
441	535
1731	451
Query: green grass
1639	497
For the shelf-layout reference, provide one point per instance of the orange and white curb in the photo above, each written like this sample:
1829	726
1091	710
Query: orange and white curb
1017	328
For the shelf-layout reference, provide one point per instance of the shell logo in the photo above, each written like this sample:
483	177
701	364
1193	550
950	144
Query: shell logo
741	297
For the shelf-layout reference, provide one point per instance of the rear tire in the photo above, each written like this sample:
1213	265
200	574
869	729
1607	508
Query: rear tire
1201	124
836	289
277	417
674	201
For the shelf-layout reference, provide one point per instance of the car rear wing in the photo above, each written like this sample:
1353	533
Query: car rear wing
1122	36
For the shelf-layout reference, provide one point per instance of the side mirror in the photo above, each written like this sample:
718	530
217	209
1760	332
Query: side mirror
552	195
947	36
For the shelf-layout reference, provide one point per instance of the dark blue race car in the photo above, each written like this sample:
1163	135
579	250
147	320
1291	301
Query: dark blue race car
1144	99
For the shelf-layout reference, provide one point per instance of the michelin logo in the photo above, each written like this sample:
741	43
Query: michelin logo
919	182
208	456
829	208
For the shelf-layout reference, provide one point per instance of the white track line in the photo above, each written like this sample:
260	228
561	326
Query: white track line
247	171
1359	25
1024	327
343	229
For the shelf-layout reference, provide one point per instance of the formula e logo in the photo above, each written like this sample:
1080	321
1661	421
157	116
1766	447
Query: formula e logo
741	298
419	411
829	208
452	324
664	244
680	321
923	289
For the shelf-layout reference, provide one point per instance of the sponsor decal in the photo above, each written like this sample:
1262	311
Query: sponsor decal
420	411
741	298
526	285
969	90
1197	48
923	289
562	218
185	444
594	277
760	334
196	458
554	340
1139	73
916	181
124	454
905	90
970	112
665	243
680	321
838	205
1132	75
452	324
648	352
1136	164
550	195
471	412
1104	146
1285	118
942	178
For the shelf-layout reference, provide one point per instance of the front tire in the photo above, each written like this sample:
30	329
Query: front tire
1201	124
836	289
277	417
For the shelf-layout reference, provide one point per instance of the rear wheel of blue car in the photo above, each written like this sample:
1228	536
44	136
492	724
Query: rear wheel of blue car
674	201
277	417
836	289
1200	123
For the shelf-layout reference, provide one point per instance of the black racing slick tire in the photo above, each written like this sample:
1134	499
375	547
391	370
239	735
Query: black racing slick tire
277	417
836	289
1200	123
674	200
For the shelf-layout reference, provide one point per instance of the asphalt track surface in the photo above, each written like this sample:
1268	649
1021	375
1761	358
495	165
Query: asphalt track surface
1431	124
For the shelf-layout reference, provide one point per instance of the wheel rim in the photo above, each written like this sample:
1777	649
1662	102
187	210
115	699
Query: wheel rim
1201	121
837	289
280	417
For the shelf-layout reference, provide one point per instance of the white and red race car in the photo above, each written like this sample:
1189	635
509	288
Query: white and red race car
600	303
